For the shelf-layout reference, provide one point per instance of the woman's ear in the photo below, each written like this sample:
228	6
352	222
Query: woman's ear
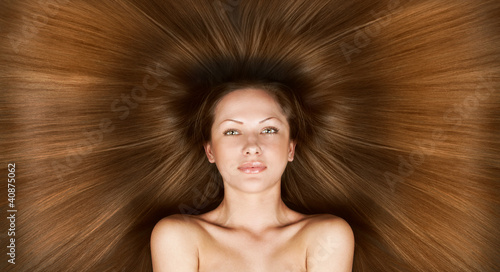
291	150
208	151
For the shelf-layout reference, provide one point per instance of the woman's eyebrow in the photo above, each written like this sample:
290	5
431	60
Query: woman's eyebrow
232	120
240	122
269	118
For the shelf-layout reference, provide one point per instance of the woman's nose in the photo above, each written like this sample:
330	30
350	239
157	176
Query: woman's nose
252	147
252	150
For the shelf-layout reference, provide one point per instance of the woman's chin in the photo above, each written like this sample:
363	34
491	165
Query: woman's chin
252	183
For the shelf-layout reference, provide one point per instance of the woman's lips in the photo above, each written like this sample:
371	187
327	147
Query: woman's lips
252	167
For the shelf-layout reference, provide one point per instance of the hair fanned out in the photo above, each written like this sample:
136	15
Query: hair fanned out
400	98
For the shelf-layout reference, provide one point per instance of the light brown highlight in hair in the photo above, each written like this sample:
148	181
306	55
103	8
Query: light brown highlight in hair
400	101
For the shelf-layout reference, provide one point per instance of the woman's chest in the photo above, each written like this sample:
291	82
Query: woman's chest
221	252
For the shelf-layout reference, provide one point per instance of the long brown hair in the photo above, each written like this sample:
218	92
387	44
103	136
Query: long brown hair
100	105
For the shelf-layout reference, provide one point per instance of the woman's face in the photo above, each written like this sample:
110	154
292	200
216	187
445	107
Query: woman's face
250	140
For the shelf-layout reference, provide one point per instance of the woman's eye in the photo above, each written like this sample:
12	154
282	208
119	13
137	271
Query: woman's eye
270	130
230	132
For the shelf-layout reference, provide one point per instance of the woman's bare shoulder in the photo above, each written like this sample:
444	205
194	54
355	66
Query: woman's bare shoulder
177	219
176	224
174	244
330	242
328	225
324	219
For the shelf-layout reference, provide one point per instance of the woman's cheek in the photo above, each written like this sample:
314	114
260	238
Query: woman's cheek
229	167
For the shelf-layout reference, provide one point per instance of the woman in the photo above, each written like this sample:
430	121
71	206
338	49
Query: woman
395	121
252	229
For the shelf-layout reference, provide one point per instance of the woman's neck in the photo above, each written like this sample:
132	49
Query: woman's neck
253	212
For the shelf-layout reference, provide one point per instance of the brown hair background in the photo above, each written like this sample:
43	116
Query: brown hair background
402	100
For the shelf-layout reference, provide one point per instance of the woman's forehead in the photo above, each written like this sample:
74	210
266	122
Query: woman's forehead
248	104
